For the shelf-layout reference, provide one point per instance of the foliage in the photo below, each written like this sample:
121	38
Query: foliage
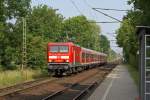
80	31
45	22
13	9
36	51
104	44
134	74
126	37
143	7
10	40
111	55
9	78
44	25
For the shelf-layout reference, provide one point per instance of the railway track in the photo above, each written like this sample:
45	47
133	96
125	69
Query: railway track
61	94
23	86
72	87
78	90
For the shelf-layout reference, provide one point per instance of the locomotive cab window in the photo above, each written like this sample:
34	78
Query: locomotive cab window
62	49
54	49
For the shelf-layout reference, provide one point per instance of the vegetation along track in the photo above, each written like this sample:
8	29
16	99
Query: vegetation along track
72	87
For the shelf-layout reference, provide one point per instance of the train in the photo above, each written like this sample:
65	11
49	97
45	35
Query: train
65	58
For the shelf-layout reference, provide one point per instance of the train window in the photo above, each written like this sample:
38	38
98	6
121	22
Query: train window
54	49
59	48
63	48
82	55
87	56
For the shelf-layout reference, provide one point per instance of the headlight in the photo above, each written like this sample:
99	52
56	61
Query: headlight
67	60
64	57
52	57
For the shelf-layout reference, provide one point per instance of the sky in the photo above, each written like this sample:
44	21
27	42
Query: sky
68	9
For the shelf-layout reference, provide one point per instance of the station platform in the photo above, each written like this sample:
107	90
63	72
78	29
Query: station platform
118	85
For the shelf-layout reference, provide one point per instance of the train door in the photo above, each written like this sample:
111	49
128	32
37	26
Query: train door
76	55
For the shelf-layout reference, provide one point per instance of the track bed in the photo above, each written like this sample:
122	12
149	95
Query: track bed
64	88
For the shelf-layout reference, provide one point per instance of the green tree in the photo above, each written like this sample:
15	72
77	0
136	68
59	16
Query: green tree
143	7
44	21
104	44
10	10
112	55
80	31
43	25
36	52
13	9
126	37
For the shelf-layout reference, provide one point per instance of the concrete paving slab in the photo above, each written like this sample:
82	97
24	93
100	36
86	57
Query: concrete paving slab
117	86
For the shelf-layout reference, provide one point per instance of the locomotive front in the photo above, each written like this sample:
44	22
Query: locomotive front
58	57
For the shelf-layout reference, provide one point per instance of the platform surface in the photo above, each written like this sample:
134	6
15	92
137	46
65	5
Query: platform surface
117	86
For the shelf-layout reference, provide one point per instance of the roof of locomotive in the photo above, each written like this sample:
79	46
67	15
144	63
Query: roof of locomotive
60	43
71	43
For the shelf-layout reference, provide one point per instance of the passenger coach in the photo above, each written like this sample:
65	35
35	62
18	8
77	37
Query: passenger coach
67	58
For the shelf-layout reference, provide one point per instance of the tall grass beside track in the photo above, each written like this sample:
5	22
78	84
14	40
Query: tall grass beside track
134	74
8	78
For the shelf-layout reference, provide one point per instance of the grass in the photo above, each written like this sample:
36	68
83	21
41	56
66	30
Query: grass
134	74
8	78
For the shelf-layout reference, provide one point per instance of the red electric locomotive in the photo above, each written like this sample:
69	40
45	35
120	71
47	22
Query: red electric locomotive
67	58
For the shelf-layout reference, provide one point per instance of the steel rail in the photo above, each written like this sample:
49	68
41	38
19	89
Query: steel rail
85	91
63	90
82	93
58	92
23	86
